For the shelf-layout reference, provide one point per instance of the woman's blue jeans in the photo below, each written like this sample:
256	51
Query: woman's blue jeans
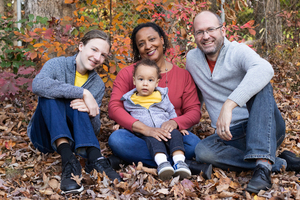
259	137
54	119
131	148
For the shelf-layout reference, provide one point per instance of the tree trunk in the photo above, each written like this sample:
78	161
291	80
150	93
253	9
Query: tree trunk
269	29
48	8
2	4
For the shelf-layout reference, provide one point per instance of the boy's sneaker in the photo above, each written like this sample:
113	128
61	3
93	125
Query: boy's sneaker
102	165
182	170
165	170
67	184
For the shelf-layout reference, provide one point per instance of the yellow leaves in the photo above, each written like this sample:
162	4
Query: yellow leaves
38	45
69	1
140	7
101	24
121	66
120	57
105	68
141	20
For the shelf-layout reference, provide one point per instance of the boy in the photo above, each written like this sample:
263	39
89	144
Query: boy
151	105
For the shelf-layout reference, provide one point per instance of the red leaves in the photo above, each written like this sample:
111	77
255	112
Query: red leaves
48	34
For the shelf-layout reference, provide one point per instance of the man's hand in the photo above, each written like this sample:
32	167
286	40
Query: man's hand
169	125
90	103
224	120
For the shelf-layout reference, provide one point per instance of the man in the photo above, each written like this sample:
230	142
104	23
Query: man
234	83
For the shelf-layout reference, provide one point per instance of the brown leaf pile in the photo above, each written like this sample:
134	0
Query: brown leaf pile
25	173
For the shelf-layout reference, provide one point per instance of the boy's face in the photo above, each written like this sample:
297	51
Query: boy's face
145	80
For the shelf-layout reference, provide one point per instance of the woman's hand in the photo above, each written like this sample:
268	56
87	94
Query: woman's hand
79	105
169	125
158	133
91	103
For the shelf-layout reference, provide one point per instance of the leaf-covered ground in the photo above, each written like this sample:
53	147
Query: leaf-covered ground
28	174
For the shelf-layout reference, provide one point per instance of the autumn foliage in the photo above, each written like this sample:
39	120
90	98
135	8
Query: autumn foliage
58	37
27	173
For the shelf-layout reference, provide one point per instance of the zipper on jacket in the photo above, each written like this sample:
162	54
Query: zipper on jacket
151	118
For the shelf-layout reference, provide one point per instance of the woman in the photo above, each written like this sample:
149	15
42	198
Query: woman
67	117
150	41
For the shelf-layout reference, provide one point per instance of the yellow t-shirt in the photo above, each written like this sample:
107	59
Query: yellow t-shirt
80	79
146	101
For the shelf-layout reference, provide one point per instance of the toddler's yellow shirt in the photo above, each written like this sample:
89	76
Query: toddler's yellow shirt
146	101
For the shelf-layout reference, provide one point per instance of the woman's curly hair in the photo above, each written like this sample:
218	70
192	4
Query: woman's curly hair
158	29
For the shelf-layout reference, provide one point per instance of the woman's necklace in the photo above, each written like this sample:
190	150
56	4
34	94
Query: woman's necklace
166	77
166	69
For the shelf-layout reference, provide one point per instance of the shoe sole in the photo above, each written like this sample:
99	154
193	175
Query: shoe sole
183	173
73	191
166	173
254	190
208	173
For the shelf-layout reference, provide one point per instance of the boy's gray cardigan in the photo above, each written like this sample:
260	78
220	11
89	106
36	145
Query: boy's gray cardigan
157	113
56	80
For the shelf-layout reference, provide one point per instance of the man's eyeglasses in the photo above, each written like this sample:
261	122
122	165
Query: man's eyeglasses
208	31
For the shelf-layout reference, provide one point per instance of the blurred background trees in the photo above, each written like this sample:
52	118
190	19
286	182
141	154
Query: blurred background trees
53	28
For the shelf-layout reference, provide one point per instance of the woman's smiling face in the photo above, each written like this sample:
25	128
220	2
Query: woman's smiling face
150	44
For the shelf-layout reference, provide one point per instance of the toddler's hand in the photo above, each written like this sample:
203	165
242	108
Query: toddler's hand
184	132
116	127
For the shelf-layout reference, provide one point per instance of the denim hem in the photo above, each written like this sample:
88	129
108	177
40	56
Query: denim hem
71	141
261	156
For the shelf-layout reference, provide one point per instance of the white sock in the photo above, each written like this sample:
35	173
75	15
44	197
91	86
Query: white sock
160	158
178	157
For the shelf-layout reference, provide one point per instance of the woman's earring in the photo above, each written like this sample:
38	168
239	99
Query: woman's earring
139	56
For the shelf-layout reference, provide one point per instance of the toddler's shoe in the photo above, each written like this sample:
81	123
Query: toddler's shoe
165	171
182	170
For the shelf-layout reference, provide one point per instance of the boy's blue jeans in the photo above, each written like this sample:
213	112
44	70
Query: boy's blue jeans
131	148
54	119
257	138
